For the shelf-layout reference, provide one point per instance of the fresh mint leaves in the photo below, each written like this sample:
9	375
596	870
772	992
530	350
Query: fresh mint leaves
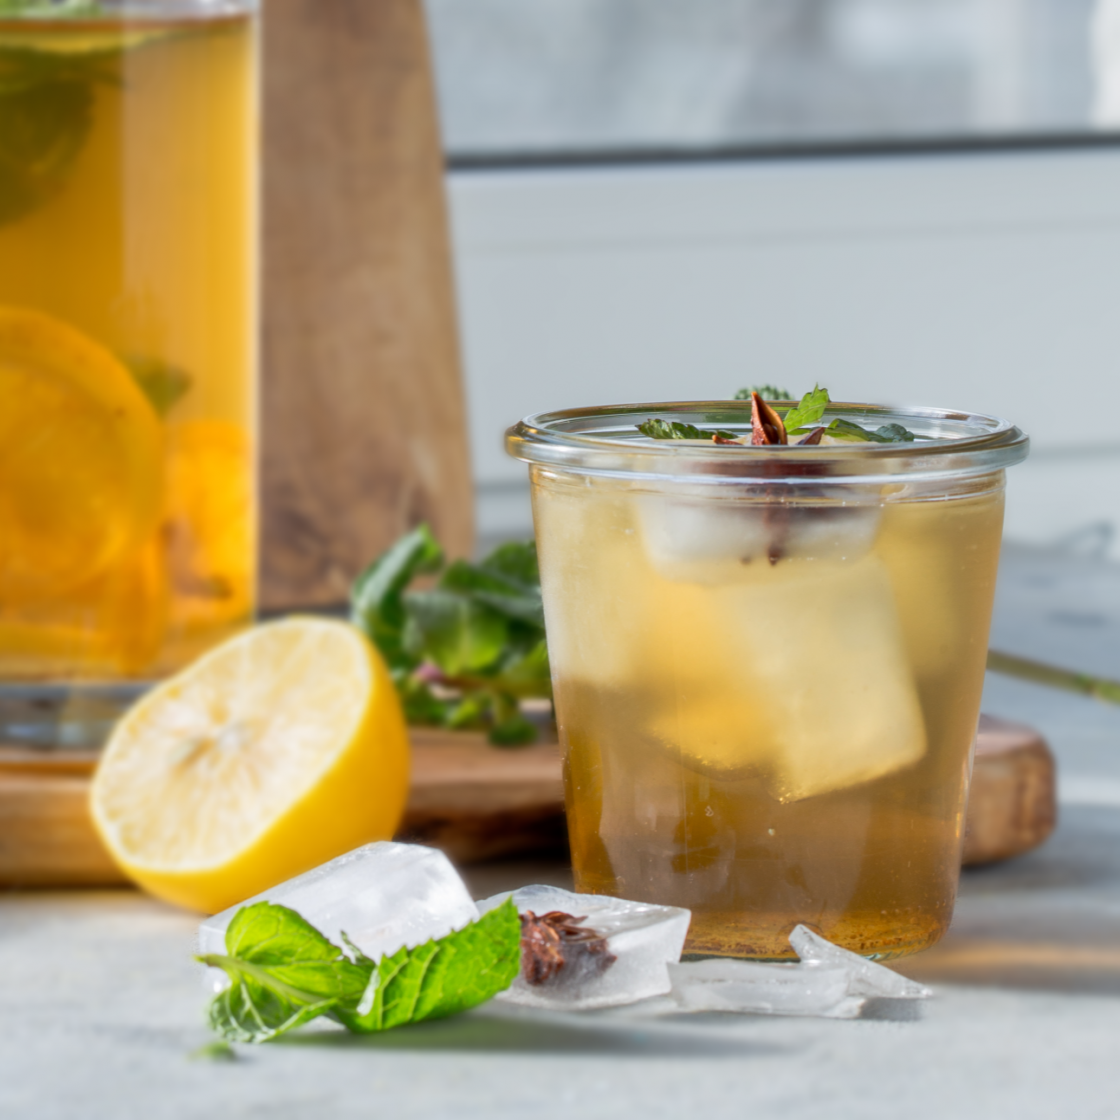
284	973
807	414
464	652
799	420
674	429
885	433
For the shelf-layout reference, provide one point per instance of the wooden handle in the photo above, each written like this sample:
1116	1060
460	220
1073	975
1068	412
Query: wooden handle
364	431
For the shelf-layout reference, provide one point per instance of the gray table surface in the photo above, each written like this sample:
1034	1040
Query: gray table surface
101	1006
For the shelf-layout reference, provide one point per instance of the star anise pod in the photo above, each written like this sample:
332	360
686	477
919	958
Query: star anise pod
766	424
555	940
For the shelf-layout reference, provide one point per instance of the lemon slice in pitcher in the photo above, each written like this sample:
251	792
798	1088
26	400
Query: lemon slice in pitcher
80	457
277	751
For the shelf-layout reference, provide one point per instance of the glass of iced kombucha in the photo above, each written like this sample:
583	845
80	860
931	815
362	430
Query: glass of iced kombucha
767	665
128	247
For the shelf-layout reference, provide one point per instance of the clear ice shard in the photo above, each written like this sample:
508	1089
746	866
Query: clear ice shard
383	895
828	982
644	939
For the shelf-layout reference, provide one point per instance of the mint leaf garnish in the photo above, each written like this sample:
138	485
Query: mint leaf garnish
656	428
885	433
766	392
809	411
284	973
892	433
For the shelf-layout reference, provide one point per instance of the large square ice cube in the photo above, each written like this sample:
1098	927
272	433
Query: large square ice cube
644	939
383	895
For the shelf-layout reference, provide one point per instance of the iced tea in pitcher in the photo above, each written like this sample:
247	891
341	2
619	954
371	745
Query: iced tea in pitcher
128	154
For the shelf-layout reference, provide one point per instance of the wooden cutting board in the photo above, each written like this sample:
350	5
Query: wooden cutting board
477	802
362	415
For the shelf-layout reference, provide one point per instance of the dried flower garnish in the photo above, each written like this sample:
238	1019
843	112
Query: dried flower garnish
556	940
766	425
813	437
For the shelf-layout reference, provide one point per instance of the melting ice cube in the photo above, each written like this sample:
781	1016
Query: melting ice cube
829	982
644	939
799	673
383	895
713	540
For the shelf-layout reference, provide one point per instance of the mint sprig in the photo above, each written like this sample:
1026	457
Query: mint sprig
807	414
675	429
464	652
284	973
885	433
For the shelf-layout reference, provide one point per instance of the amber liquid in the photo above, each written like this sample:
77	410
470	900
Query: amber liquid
127	221
769	744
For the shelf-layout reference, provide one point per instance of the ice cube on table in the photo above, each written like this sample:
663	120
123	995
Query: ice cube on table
828	982
644	939
383	895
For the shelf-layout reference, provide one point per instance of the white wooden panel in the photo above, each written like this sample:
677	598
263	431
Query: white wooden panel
978	281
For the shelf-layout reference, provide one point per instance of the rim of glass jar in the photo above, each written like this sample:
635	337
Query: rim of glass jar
604	440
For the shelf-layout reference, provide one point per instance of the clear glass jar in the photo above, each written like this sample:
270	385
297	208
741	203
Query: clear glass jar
767	665
128	351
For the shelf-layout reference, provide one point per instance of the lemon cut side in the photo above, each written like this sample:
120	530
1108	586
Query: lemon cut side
278	750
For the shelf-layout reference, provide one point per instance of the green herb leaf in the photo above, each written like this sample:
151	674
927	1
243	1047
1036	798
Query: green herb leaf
808	413
886	433
511	728
892	433
443	977
517	562
655	428
455	631
766	392
163	384
377	597
284	973
508	596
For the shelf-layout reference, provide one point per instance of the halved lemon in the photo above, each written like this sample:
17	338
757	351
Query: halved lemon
273	753
80	458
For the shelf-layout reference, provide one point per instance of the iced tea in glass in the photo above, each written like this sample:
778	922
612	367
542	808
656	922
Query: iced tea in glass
767	665
128	246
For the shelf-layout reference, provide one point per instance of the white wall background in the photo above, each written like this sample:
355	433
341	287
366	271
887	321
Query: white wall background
977	281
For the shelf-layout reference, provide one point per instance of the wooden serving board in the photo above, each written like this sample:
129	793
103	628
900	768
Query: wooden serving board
476	802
